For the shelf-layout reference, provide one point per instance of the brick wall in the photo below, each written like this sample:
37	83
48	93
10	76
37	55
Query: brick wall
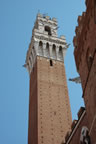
49	111
33	109
54	116
85	57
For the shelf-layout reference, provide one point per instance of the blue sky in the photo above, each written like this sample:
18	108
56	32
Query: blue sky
17	18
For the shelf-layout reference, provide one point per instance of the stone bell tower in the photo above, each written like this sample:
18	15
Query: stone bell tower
49	107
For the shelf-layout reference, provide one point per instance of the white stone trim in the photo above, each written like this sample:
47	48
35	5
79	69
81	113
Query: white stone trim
39	34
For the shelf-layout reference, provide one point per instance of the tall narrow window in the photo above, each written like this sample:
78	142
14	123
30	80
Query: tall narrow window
47	45
47	49
54	51
60	53
40	50
51	63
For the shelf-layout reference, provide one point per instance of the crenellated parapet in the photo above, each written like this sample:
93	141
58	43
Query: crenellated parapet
85	40
45	42
83	30
78	30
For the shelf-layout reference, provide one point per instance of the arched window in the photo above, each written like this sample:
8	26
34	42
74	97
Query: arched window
40	44
60	53
47	45
47	29
54	51
47	50
40	50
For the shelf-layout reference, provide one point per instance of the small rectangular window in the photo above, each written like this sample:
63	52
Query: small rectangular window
51	63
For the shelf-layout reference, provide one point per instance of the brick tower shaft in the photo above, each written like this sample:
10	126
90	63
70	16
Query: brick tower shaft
49	108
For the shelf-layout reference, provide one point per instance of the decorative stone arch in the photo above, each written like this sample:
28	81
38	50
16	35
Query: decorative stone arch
48	29
40	49
54	51
60	53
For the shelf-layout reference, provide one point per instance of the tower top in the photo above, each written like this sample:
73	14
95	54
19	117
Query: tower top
45	41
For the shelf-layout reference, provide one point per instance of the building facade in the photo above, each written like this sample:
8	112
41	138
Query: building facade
49	107
85	58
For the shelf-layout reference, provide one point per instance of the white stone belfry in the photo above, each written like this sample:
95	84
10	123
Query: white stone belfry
45	42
